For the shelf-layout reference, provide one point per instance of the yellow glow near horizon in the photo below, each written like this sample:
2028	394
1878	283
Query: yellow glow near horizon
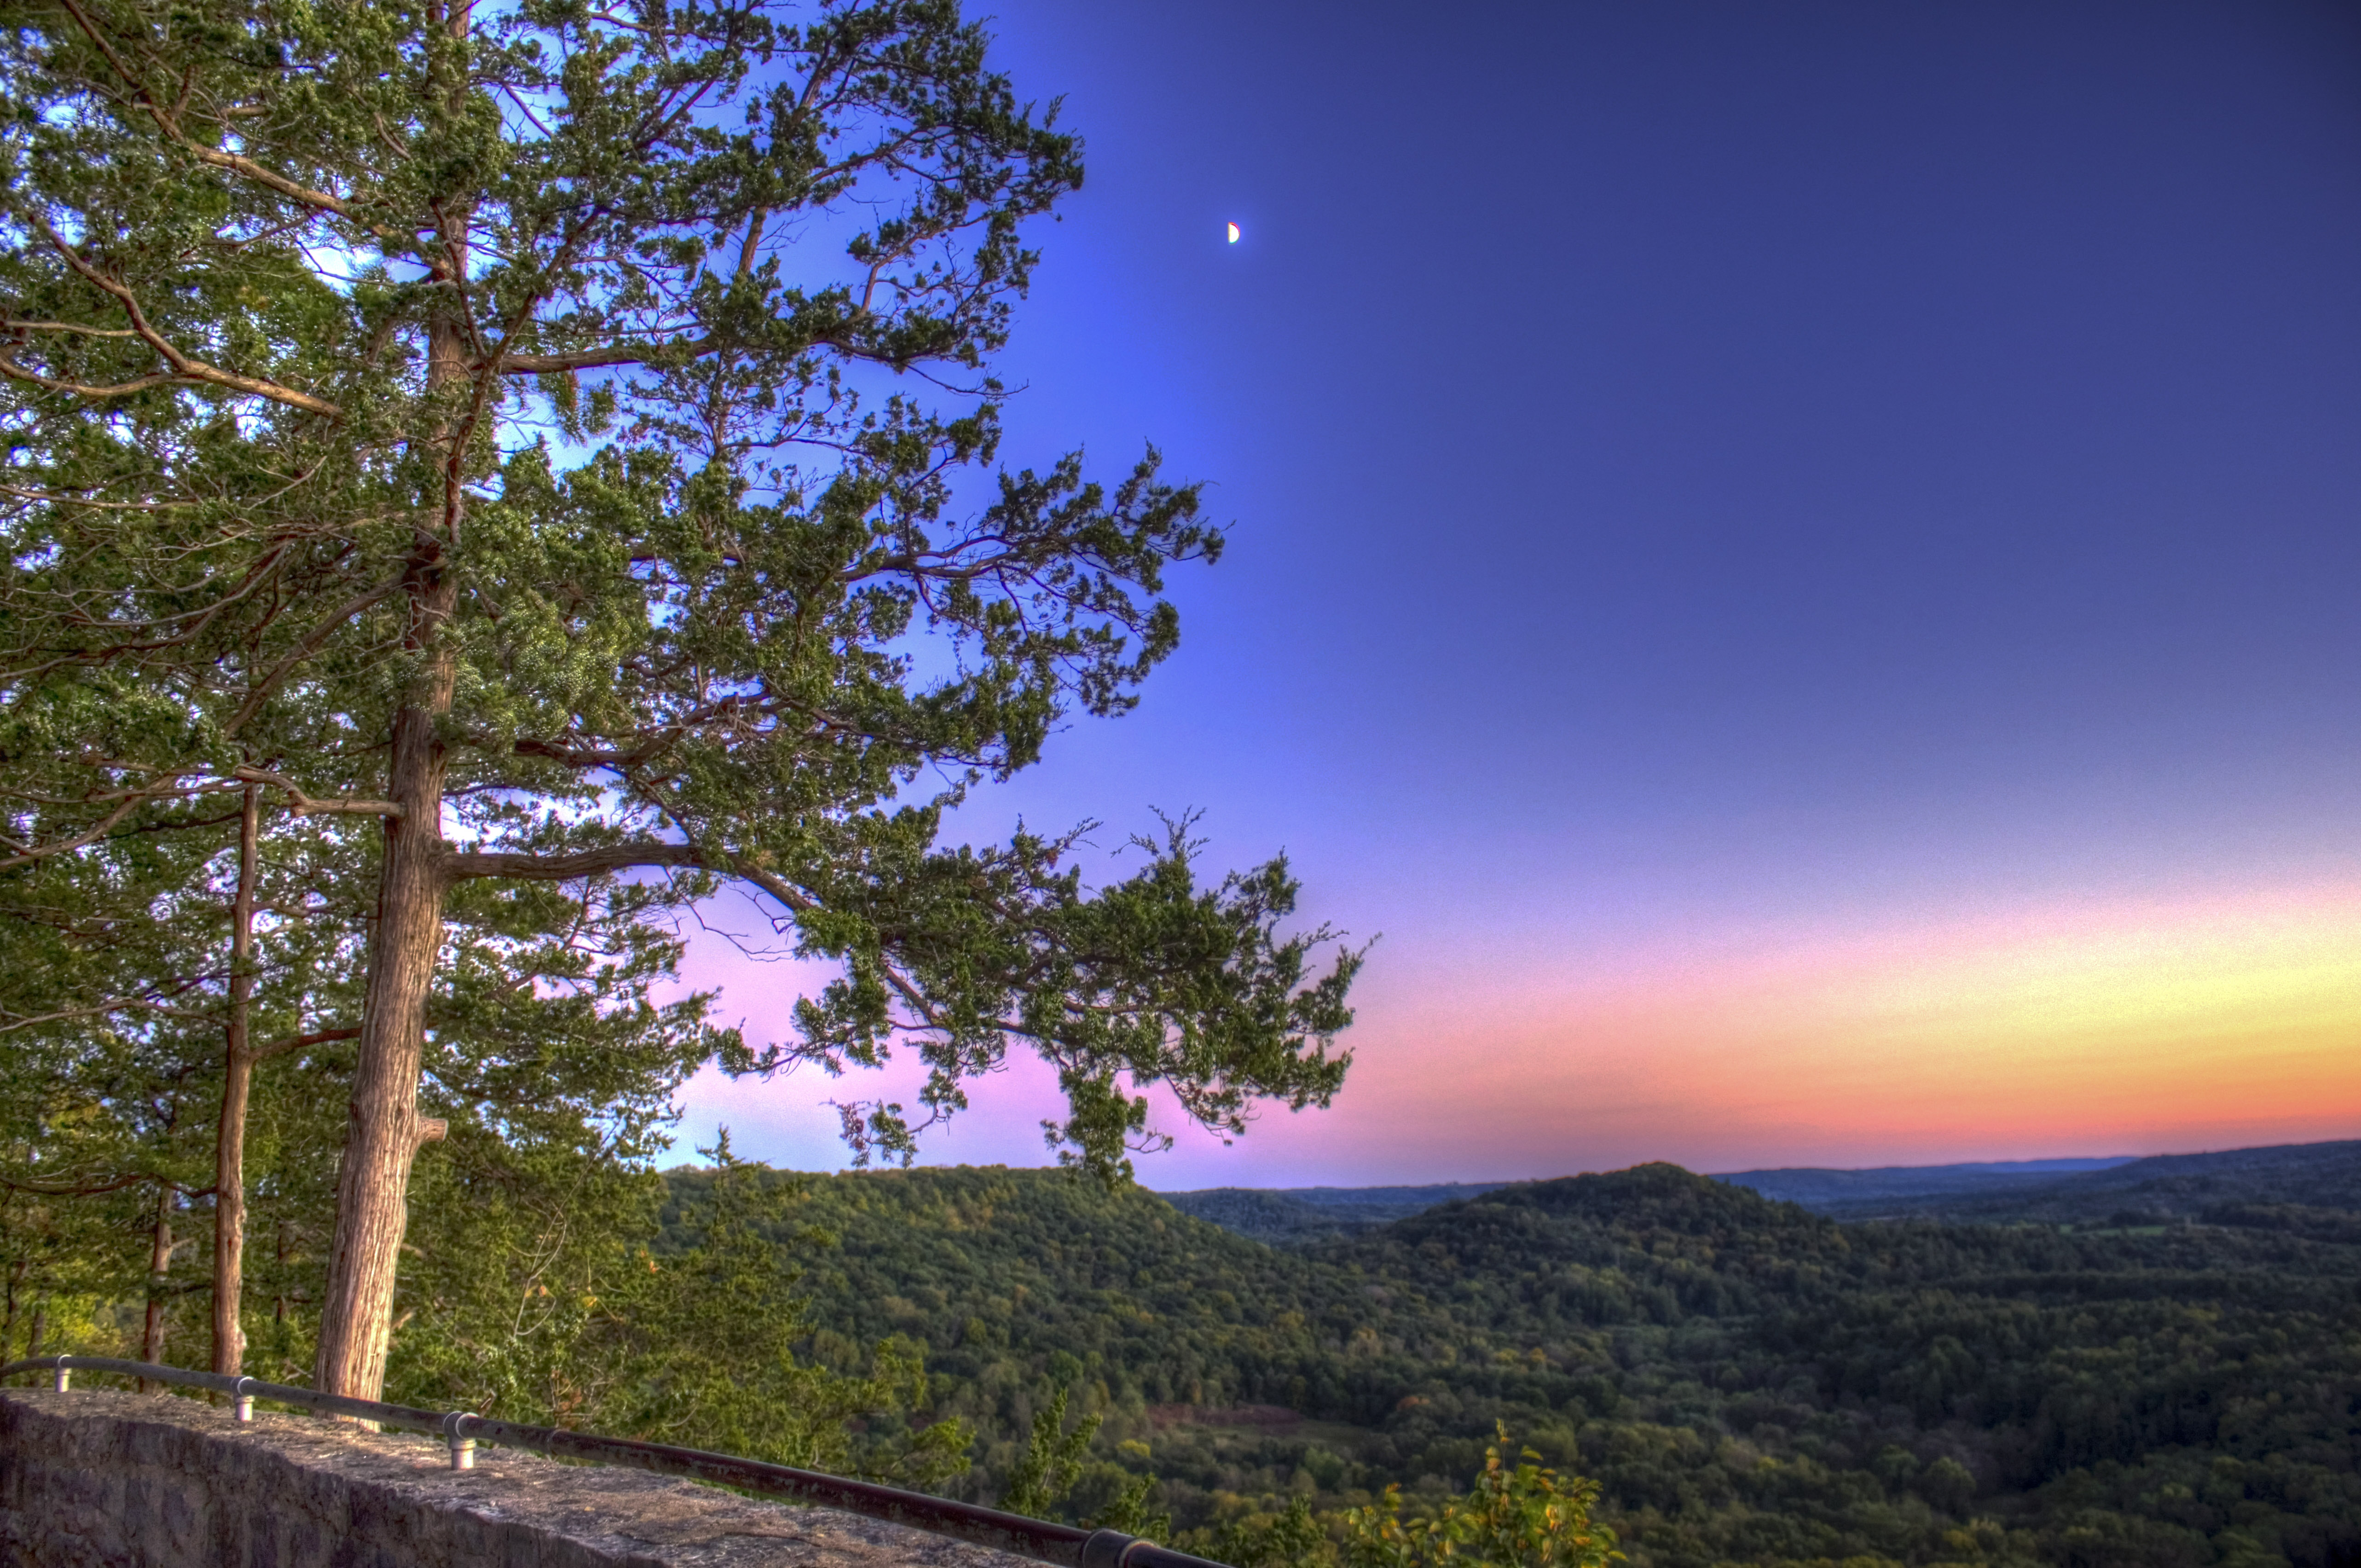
2073	1031
2095	1029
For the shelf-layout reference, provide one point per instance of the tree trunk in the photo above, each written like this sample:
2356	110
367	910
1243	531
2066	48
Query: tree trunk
8	1326
238	1075
382	1131
159	1260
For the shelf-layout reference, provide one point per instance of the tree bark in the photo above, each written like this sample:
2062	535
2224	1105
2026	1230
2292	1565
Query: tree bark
237	1077
382	1130
8	1326
382	1133
159	1260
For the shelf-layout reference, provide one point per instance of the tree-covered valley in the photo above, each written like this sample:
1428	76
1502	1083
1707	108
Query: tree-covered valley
1751	1383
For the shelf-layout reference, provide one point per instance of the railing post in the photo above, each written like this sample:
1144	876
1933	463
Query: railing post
463	1448
245	1400
65	1375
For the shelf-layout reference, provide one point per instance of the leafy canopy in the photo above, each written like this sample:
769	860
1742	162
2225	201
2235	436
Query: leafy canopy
594	405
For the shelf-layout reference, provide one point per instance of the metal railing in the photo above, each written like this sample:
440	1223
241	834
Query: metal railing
1039	1538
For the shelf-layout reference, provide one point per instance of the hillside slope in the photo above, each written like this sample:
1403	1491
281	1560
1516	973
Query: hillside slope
1755	1383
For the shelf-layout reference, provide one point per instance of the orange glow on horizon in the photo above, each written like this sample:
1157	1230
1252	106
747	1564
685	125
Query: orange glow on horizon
2098	1030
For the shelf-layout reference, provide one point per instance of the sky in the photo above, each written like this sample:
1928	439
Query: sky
1795	567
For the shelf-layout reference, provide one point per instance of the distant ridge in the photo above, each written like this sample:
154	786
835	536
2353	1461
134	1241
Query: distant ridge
2116	1190
1814	1187
2158	1189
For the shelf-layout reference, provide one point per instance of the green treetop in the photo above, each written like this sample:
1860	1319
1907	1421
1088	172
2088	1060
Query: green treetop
492	434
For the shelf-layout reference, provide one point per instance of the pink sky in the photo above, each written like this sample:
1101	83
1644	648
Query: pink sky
2098	1028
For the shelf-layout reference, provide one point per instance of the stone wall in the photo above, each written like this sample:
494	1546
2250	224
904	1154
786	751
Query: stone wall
111	1480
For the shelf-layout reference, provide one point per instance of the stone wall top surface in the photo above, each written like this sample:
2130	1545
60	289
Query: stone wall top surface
99	1476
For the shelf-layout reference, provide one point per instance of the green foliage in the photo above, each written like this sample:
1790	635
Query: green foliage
539	1289
1524	1516
1292	1537
1516	1515
1747	1383
1052	1460
1130	1512
544	1302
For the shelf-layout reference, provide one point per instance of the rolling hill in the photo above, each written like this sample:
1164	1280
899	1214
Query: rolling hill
1753	1383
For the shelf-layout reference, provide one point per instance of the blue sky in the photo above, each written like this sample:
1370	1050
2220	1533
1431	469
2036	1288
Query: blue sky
1723	488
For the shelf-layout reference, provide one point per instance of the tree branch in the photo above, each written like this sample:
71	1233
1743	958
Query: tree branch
311	643
13	324
582	863
99	1010
625	856
88	836
778	887
302	805
111	1184
168	123
280	1048
17	372
593	359
184	369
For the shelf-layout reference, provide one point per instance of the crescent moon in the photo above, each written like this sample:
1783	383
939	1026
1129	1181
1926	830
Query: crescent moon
1234	233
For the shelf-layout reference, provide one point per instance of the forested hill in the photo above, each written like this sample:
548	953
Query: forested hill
1753	1384
1832	1191
2121	1189
1291	1214
2162	1188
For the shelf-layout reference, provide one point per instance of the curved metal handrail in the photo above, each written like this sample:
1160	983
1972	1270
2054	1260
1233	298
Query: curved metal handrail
1039	1538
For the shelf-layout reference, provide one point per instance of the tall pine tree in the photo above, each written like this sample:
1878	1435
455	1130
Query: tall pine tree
559	441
